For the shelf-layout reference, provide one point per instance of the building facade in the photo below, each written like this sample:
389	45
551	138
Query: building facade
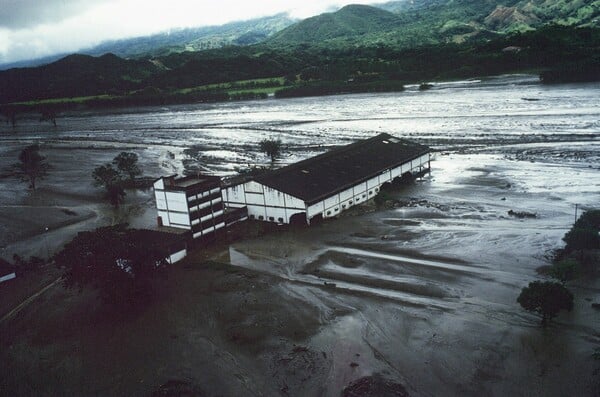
193	203
328	184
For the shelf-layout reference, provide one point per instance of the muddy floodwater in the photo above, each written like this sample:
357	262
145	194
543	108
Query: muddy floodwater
421	292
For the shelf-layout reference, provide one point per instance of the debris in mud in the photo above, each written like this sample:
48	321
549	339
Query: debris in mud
292	371
522	214
374	386
299	349
178	388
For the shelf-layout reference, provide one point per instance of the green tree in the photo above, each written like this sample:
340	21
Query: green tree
127	163
119	263
109	178
271	147
32	165
546	298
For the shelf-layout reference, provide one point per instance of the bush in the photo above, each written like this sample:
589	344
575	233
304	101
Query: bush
546	298
581	239
23	265
120	263
589	220
564	270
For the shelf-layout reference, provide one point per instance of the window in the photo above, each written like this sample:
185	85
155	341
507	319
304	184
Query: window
344	206
337	209
272	219
364	195
252	217
280	220
370	192
260	217
328	212
350	202
376	189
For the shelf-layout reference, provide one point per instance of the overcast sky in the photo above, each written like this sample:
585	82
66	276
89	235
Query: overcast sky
34	28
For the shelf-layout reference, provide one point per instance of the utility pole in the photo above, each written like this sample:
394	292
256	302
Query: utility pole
575	212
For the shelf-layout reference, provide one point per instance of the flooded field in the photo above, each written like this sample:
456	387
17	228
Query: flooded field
422	292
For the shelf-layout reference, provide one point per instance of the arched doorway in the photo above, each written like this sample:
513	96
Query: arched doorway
299	219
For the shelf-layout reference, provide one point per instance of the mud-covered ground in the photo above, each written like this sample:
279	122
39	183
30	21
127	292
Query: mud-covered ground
420	293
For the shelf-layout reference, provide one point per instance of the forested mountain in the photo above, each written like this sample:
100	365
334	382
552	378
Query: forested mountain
196	39
418	22
369	46
348	23
74	75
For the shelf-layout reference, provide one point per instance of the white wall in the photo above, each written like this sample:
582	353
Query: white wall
177	256
361	192
7	277
176	201
159	184
167	202
263	202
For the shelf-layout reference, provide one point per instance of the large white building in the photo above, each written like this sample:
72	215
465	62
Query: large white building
326	185
193	203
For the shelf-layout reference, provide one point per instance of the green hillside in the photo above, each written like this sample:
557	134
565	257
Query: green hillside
196	39
408	24
356	48
74	75
349	22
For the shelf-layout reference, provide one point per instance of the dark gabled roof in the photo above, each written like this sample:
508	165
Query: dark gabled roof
318	177
190	183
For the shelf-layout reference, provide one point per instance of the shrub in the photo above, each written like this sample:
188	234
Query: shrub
546	298
564	270
581	239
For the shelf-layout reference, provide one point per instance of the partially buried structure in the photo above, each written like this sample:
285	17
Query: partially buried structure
326	185
315	188
194	203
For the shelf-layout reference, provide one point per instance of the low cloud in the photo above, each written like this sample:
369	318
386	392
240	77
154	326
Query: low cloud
21	14
32	29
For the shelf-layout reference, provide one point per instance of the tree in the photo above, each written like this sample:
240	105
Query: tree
10	113
126	163
564	270
272	148
107	177
119	263
32	165
546	298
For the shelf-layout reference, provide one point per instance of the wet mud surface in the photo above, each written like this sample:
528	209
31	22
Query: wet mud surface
417	296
